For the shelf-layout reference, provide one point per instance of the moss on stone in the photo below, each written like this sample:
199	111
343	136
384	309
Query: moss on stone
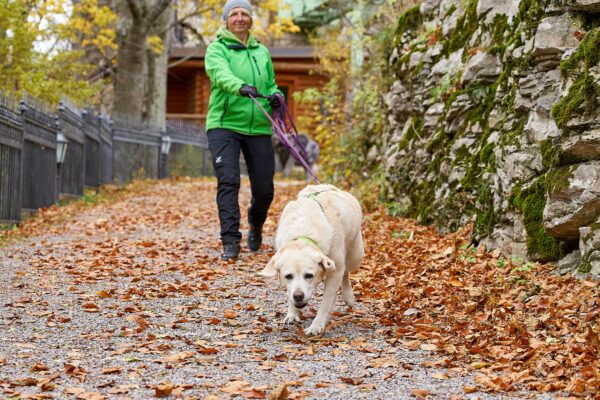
531	202
450	10
550	154
585	268
486	215
530	14
414	130
558	178
584	94
498	30
410	20
465	27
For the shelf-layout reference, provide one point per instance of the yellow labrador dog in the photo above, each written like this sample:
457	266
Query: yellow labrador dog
318	240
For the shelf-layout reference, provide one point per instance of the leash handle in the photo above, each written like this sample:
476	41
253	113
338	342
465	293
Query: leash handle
280	128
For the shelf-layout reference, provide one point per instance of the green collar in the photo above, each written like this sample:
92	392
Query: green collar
307	240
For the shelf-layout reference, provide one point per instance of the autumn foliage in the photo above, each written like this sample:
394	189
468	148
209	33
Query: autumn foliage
514	324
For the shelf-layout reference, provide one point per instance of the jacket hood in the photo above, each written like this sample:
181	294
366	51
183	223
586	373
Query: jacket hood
227	35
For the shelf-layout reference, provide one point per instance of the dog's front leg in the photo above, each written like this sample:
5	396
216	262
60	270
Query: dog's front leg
293	314
332	287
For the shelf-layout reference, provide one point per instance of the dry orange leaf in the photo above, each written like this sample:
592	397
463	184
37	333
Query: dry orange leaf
419	393
163	389
279	393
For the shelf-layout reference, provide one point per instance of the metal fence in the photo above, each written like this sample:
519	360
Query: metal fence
188	155
106	150
98	151
72	171
136	147
39	155
11	165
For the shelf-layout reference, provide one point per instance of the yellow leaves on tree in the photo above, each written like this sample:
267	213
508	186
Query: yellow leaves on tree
43	51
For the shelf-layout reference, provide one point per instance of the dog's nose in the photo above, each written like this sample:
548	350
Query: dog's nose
298	296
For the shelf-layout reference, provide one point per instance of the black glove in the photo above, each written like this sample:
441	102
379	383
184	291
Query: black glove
274	102
249	90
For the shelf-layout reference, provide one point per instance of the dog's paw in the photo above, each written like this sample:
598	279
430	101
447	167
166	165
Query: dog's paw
315	329
291	319
349	299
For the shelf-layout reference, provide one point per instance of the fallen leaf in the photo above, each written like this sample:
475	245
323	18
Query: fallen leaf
38	367
469	389
419	393
279	393
111	370
235	387
163	389
281	357
75	390
178	356
351	381
254	394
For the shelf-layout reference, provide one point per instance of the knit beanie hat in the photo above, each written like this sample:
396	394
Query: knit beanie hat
231	4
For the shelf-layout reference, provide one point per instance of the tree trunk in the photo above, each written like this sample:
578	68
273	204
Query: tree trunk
137	18
156	95
130	74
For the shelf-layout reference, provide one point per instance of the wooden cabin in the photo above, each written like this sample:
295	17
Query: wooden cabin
188	86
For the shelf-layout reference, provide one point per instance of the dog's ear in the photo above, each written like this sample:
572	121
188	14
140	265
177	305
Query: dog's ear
271	269
327	263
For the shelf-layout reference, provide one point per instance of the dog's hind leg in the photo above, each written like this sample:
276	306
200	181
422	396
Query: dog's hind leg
347	292
332	287
355	254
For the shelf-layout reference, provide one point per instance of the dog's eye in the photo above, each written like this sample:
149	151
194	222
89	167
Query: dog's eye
289	277
308	276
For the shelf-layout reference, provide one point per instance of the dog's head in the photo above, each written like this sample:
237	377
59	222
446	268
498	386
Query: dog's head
301	267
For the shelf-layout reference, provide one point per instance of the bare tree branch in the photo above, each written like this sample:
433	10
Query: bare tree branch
156	10
194	31
184	59
135	8
180	20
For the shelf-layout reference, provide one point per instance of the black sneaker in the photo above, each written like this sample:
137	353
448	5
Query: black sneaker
230	251
254	238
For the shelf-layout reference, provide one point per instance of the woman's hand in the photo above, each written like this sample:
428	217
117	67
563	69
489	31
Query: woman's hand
249	91
274	102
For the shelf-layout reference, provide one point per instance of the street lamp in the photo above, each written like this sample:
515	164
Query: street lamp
165	146
61	148
61	153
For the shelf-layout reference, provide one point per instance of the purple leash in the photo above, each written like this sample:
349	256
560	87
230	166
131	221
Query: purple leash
283	131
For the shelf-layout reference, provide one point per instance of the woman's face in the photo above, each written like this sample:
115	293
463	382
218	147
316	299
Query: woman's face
239	22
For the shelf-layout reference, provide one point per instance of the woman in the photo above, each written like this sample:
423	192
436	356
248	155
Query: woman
239	67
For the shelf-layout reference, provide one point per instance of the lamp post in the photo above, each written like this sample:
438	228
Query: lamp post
61	153
165	147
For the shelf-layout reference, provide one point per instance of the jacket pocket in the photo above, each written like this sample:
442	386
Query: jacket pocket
225	107
256	63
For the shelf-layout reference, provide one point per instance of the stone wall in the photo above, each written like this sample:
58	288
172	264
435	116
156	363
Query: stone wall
494	117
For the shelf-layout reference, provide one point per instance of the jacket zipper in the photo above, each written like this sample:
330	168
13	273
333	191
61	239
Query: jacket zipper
225	109
254	83
256	63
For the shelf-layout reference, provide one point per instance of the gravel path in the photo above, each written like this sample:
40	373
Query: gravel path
128	299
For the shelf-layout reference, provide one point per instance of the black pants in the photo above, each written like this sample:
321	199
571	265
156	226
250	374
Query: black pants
225	147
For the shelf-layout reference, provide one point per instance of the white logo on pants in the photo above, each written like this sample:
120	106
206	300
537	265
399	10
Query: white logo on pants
218	160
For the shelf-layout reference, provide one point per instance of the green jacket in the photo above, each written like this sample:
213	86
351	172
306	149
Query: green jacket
229	63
